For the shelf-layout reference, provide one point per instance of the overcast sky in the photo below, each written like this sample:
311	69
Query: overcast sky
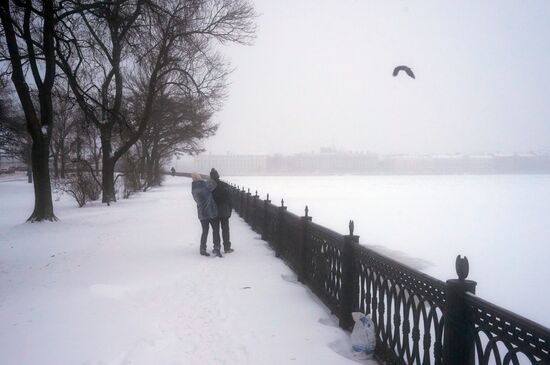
320	74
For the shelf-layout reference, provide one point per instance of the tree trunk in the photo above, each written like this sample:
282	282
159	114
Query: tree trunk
157	172
55	166
107	181
63	164
29	173
78	151
142	164
29	163
150	167
108	167
43	206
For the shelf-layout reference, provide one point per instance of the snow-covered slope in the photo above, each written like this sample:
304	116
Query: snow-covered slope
125	285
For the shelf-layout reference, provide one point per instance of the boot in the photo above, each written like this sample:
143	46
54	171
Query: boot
204	253
216	252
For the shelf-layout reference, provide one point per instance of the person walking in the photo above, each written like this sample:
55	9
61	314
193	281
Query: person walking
222	198
207	212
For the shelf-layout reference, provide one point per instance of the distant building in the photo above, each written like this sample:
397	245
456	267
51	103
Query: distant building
330	161
231	164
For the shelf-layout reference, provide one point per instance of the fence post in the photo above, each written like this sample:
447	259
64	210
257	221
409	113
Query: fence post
279	239
459	329
254	217
237	199
241	197
265	235
233	197
247	204
244	204
302	250
348	279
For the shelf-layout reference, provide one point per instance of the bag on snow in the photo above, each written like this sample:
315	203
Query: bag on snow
363	337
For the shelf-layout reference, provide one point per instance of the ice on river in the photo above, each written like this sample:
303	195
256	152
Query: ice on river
500	222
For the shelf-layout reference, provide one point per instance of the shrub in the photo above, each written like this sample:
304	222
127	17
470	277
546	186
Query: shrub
82	186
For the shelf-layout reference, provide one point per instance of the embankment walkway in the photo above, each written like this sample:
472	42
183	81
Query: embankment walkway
125	285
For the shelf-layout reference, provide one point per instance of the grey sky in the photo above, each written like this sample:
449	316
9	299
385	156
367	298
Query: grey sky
320	74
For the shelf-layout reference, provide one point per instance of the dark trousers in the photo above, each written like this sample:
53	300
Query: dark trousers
224	221
215	223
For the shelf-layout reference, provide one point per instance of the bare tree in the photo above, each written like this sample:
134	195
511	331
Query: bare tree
181	121
153	41
63	140
28	44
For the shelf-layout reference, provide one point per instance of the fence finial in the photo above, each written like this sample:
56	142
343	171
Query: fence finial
267	196
248	191
256	193
307	211
462	267
351	227
282	202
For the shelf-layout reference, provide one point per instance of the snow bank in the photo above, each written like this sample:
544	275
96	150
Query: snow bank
125	285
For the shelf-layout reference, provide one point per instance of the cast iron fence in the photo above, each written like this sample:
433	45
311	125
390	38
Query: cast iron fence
418	319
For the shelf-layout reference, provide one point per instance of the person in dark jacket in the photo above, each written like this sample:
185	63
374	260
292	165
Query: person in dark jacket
222	198
207	212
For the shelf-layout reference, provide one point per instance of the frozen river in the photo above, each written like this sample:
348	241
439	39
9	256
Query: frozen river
500	222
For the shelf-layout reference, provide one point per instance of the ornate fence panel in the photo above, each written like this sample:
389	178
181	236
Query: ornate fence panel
271	224
406	306
418	319
258	218
503	337
289	245
323	264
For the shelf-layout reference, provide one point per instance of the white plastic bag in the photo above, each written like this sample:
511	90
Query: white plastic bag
363	336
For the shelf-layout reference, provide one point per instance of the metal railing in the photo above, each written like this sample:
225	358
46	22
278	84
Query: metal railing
418	319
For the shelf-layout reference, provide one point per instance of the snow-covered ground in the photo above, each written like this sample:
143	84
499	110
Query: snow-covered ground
501	223
125	285
17	176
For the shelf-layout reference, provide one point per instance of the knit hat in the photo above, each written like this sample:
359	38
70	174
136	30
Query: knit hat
214	174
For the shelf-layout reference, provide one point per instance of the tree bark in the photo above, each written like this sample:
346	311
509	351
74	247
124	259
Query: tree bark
29	163
43	205
63	163
108	168
55	166
157	172
108	181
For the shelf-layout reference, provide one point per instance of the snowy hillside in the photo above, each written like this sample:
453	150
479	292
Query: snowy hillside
125	285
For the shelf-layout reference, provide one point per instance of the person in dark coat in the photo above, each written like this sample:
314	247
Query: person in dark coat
222	198
207	212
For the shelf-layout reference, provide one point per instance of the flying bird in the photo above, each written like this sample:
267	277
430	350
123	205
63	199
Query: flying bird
403	68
